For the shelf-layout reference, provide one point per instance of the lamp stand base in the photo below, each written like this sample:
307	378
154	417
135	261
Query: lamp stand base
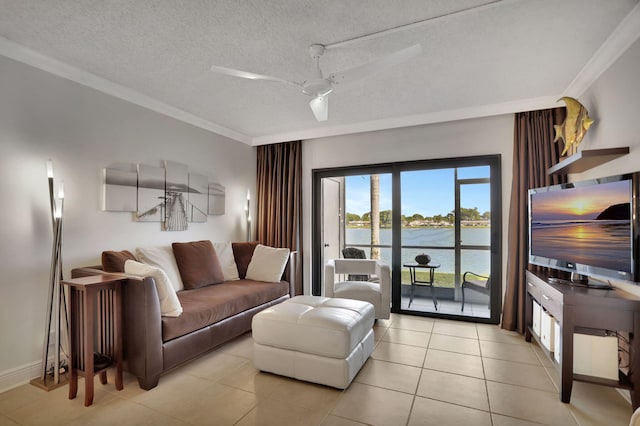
49	383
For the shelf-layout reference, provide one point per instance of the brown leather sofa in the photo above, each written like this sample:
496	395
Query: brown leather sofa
212	315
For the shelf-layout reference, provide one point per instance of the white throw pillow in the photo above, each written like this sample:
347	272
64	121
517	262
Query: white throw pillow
169	303
227	261
267	264
163	258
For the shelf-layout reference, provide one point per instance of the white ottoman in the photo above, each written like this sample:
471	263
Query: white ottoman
316	339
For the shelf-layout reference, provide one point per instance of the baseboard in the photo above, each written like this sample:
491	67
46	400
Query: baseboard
19	376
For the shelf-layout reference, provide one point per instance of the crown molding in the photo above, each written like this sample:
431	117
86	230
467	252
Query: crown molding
414	120
625	34
28	56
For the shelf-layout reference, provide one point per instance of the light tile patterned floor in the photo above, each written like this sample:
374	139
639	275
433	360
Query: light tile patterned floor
423	372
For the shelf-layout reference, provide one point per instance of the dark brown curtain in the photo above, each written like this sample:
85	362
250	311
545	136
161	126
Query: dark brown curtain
279	196
533	153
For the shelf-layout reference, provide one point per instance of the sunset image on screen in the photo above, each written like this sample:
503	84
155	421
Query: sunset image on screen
582	203
589	225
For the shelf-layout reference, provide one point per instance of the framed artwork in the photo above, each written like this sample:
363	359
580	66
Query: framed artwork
151	194
176	195
169	195
198	198
119	190
216	199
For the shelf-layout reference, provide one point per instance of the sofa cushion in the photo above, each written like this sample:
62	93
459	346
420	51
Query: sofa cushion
162	257
208	305
198	264
169	303
243	252
267	264
113	261
227	261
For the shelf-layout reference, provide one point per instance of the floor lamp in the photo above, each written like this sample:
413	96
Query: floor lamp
247	210
56	303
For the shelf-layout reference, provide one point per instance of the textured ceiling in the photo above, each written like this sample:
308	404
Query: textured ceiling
495	53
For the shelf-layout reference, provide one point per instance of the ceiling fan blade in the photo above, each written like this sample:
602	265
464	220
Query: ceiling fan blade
368	69
320	107
250	75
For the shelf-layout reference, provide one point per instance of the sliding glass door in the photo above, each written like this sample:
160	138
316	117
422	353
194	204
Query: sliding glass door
436	223
446	216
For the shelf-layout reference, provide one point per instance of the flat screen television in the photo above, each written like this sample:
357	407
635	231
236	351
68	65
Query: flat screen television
588	228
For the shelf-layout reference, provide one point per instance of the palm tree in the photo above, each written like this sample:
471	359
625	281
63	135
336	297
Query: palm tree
375	216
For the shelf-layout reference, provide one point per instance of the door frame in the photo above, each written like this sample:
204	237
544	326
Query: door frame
495	176
317	211
340	216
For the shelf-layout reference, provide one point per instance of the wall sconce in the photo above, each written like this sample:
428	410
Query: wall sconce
56	303
247	210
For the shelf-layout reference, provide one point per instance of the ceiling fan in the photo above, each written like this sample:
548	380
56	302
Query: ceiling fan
319	87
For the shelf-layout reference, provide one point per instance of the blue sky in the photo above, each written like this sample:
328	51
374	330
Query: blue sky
428	192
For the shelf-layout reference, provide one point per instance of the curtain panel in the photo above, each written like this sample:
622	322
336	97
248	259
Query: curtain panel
279	196
533	153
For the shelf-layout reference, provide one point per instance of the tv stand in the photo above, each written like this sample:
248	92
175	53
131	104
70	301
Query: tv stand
578	308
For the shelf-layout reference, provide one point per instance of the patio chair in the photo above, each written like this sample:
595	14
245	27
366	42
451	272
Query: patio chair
475	282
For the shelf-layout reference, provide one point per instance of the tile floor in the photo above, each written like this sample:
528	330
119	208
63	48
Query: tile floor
422	372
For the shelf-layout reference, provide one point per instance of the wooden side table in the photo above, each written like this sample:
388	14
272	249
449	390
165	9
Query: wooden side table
414	281
95	327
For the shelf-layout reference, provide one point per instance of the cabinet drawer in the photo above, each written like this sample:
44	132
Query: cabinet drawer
548	297
534	290
552	304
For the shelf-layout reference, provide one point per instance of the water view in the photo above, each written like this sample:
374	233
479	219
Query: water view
471	260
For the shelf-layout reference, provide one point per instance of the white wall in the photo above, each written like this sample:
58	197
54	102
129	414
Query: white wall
486	136
613	101
83	131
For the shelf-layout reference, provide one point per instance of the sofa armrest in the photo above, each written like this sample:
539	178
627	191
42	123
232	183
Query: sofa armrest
142	322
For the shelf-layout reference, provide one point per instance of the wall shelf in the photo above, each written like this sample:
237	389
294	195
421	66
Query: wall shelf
586	159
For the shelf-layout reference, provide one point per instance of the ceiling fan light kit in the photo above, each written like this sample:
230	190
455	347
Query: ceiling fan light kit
319	87
320	107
